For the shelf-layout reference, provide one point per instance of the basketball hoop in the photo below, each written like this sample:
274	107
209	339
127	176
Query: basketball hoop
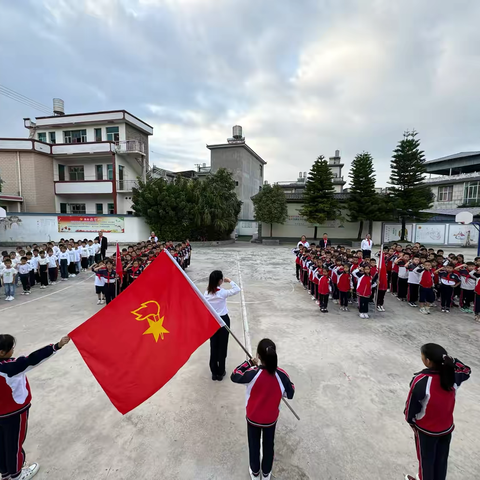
464	218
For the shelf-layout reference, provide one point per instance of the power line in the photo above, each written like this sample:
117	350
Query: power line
7	92
17	94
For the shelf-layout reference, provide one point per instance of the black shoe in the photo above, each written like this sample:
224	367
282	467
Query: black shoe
214	377
325	311
220	377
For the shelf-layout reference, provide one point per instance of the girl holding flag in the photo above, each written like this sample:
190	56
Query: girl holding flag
382	280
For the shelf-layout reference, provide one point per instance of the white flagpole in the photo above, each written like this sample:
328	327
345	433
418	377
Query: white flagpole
382	265
219	319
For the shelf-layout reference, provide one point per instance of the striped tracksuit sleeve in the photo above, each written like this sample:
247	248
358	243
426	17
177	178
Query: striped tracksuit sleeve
416	394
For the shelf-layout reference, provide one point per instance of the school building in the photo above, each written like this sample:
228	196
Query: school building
85	163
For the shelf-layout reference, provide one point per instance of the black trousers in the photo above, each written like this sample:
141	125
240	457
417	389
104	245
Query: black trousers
43	274
98	257
219	348
381	298
53	273
297	270
13	431
323	301
394	282
432	453
255	434
413	289
466	298
64	268
31	278
305	278
335	291
446	293
366	253
109	292
363	304
344	298
84	261
72	268
25	279
402	288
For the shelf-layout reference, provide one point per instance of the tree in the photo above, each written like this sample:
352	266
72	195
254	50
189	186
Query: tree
363	201
189	208
409	192
319	203
270	205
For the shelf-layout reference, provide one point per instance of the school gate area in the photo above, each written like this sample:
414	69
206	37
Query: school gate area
351	379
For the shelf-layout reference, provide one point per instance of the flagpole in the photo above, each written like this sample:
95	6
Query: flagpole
382	264
221	322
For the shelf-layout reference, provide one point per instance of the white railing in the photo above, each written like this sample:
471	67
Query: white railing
459	176
130	146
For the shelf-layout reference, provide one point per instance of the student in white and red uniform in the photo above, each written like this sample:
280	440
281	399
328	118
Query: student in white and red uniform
426	281
266	385
476	303
429	409
15	398
323	288
345	286
365	282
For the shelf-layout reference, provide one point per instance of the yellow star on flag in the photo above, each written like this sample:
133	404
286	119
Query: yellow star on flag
156	328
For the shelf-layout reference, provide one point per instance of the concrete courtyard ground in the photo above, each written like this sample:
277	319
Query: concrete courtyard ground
351	378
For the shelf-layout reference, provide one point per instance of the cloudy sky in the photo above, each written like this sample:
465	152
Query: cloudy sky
303	77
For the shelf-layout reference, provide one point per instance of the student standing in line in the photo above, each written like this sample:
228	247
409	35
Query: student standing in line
15	401
323	288
109	276
266	385
64	261
217	298
344	285
24	273
8	275
467	286
413	281
31	270
429	409
426	281
448	281
42	263
52	267
364	289
71	261
402	288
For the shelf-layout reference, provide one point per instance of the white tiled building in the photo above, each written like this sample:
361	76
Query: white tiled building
90	161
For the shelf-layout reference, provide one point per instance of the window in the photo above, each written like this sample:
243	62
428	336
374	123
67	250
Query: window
445	194
77	208
109	171
99	208
61	173
112	134
236	183
129	212
99	172
76	174
63	208
111	208
53	137
75	136
121	170
42	137
261	170
471	193
98	134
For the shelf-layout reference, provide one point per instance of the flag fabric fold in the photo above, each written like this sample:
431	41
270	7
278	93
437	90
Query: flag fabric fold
382	272
139	341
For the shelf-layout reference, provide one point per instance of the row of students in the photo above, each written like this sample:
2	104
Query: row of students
341	274
420	278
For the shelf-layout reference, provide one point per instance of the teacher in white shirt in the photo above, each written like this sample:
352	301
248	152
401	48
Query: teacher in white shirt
217	298
303	242
366	246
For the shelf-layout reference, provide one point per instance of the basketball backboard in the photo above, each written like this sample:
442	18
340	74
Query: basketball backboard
464	217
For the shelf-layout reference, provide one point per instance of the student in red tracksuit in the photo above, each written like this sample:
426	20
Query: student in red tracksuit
365	282
429	409
323	289
426	279
382	287
15	398
266	385
344	284
476	303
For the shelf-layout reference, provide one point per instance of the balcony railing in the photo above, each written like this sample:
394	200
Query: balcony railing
130	146
126	185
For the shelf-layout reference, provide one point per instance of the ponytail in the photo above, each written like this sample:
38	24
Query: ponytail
267	352
214	280
442	362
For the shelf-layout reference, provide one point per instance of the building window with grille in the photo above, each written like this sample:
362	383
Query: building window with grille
113	134
471	193
98	134
61	173
63	208
109	171
42	137
78	208
75	136
99	172
53	137
99	208
111	208
445	194
76	174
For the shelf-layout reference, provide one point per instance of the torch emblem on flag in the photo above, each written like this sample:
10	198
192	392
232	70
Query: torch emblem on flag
150	311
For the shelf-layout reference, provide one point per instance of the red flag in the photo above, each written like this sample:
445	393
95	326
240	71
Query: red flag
139	341
382	272
118	264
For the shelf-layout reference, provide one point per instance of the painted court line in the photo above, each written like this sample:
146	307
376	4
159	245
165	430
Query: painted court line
246	330
45	296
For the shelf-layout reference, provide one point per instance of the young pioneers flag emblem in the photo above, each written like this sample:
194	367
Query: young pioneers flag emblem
139	341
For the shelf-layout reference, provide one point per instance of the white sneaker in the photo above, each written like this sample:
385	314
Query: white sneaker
366	315
379	308
6	299
268	477
74	274
53	283
99	302
252	476
361	315
29	472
